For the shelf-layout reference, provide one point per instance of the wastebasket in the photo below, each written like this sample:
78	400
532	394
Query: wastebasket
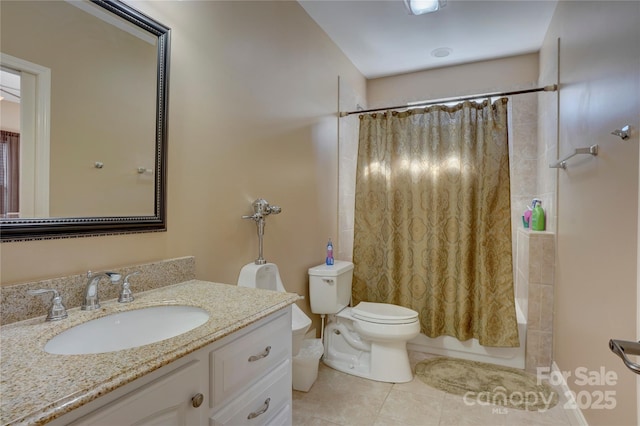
305	364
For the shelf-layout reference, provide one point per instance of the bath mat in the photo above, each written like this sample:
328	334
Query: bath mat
480	383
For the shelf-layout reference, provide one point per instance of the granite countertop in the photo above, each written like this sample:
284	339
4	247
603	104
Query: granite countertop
37	387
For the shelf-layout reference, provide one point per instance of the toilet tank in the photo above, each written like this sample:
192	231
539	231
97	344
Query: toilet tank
330	287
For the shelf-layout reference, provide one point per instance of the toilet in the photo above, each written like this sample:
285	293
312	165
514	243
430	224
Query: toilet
368	340
267	276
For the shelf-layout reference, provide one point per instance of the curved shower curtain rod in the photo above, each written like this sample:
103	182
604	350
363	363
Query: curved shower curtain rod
550	88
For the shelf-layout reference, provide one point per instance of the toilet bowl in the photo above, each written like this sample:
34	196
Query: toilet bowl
368	340
267	276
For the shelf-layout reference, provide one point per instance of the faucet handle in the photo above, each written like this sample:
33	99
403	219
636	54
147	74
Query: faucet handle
57	310
126	295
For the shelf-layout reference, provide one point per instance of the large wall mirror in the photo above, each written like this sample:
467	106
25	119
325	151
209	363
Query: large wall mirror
84	87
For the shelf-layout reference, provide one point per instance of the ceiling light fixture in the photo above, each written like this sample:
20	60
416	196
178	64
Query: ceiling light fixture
419	7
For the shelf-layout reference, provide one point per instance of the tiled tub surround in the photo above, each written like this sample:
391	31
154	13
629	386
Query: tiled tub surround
17	305
37	387
534	293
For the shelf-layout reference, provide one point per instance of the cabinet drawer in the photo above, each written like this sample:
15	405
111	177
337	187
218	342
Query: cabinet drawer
247	359
264	403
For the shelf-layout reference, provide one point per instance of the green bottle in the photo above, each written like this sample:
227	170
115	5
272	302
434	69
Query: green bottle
537	217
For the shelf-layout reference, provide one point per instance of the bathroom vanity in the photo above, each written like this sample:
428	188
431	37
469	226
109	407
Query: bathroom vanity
233	369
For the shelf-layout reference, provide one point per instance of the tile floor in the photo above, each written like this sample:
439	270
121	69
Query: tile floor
341	399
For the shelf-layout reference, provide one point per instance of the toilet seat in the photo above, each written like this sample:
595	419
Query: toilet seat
383	313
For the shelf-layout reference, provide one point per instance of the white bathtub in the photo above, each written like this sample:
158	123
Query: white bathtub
472	350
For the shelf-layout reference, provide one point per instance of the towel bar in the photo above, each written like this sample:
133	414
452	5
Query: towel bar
562	164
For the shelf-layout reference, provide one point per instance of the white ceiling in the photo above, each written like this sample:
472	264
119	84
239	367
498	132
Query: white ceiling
382	39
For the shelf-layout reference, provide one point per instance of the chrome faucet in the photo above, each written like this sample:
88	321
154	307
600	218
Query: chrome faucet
91	300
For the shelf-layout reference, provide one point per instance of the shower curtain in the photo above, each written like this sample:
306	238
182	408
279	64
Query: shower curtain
432	227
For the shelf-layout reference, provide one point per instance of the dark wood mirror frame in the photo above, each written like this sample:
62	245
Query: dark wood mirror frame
37	229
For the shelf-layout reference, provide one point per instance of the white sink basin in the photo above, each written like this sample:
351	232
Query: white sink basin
124	330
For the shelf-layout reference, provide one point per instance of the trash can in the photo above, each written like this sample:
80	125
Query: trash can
305	364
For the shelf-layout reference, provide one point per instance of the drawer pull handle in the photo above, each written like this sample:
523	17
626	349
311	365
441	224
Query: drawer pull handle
196	401
263	410
260	356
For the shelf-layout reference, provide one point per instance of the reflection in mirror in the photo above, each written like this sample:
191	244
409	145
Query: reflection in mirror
83	119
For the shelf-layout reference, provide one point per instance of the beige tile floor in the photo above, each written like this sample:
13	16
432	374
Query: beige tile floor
341	399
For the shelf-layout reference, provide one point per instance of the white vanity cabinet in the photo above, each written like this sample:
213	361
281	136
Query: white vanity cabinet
241	379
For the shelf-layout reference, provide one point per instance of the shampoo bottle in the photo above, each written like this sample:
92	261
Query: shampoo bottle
537	217
526	217
329	252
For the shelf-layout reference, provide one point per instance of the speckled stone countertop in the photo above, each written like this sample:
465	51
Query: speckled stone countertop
37	387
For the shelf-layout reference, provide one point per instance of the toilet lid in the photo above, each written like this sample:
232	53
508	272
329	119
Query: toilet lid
383	313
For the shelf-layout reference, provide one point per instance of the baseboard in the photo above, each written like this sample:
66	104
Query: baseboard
576	413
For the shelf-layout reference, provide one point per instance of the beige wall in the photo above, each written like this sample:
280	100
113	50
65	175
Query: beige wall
253	102
460	80
597	197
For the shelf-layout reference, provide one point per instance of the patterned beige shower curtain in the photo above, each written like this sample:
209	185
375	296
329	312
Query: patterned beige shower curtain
433	219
